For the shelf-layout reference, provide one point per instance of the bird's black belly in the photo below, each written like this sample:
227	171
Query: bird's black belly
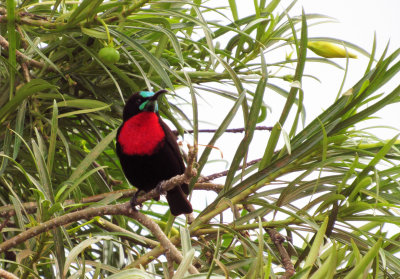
145	172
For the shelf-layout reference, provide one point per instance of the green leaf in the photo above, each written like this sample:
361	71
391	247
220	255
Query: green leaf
70	186
82	104
275	133
184	265
53	139
94	153
156	64
328	269
364	183
377	158
360	268
185	240
86	10
6	149
41	54
94	33
314	251
131	273
78	249
28	89
251	124
43	172
83	111
12	46
19	127
232	5
218	133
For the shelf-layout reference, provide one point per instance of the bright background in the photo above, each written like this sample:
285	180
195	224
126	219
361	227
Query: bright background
356	22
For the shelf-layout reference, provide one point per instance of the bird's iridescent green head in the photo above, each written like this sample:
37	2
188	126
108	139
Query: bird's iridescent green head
148	104
146	94
142	101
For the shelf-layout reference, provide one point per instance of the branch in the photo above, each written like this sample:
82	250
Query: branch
136	5
7	211
7	275
169	184
88	213
31	207
278	239
148	257
22	58
170	248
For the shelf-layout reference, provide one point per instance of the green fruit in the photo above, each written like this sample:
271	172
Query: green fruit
109	55
329	50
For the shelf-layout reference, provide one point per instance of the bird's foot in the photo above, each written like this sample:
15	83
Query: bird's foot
160	190
134	201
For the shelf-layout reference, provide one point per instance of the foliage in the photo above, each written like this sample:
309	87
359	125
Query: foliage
333	187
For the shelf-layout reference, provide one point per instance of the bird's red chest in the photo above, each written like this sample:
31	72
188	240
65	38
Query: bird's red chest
141	134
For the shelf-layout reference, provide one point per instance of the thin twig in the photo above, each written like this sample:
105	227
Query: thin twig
209	186
278	241
136	238
24	43
4	224
170	266
224	173
106	177
148	257
25	71
232	130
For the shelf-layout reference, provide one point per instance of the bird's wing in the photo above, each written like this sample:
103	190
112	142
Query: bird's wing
170	141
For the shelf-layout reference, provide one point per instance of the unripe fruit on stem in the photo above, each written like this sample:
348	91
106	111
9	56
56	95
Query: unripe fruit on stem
109	55
329	50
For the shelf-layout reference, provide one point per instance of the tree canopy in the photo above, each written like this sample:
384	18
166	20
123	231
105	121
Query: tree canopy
323	204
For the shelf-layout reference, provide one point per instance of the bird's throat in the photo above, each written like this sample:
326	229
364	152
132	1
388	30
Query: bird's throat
142	134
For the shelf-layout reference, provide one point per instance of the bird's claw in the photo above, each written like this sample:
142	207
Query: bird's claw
134	202
160	190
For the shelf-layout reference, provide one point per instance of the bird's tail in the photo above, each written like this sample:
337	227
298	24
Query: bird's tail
178	202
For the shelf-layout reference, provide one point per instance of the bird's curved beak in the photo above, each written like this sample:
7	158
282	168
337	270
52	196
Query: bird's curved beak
157	94
151	103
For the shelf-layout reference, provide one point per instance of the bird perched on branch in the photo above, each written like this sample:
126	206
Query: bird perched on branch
148	151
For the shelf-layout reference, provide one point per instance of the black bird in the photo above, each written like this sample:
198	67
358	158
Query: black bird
148	151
